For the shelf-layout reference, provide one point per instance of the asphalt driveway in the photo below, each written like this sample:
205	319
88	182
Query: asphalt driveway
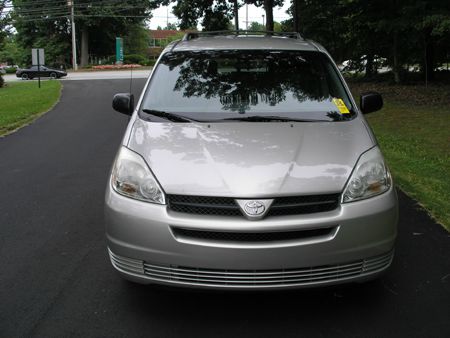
56	279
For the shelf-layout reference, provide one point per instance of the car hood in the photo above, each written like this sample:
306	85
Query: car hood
248	159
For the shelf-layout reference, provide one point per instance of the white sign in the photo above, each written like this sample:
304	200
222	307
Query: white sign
38	56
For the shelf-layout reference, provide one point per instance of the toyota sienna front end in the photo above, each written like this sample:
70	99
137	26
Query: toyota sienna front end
247	164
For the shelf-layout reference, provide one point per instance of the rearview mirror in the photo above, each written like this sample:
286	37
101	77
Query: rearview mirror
370	102
123	103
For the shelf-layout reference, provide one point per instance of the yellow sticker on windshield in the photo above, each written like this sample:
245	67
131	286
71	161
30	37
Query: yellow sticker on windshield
341	106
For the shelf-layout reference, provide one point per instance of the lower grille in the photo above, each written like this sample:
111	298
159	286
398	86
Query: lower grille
226	206
127	264
250	237
184	275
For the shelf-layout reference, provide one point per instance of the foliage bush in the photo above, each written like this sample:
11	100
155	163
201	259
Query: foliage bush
150	63
11	70
134	59
110	60
131	59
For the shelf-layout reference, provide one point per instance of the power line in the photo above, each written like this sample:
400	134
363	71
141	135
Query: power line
62	8
34	3
58	16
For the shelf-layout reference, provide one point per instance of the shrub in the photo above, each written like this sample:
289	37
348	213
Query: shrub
150	63
110	60
11	70
129	59
135	59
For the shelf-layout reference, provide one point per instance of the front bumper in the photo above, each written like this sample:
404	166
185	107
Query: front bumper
143	247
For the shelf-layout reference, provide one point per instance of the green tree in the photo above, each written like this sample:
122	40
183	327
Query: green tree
323	21
215	14
37	28
10	51
136	40
171	26
268	6
401	31
4	19
4	22
98	24
256	26
432	25
218	16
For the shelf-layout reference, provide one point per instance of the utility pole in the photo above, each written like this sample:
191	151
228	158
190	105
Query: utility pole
263	21
74	40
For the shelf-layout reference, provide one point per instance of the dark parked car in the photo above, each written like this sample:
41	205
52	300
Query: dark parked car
44	71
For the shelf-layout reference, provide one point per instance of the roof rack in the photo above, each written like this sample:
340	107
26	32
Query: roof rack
194	35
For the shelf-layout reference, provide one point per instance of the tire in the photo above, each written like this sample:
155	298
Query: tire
53	75
25	76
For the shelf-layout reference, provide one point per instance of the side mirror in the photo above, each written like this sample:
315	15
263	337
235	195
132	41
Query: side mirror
370	102
123	103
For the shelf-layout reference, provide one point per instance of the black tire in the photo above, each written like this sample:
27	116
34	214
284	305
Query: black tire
53	75
24	76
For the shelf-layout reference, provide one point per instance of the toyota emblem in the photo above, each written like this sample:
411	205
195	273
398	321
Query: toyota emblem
254	208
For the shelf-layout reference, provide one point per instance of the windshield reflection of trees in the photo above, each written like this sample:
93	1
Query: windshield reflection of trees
247	79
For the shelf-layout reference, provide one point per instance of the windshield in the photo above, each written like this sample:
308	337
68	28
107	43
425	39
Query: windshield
228	84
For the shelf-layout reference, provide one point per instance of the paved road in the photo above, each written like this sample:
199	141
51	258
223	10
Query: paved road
98	75
56	280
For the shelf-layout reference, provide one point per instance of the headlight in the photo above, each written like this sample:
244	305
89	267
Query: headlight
369	178
132	177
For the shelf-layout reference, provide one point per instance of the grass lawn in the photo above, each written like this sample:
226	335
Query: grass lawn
415	139
22	102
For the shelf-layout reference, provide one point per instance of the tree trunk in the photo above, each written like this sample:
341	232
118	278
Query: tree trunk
370	66
236	15
429	61
296	15
84	47
268	7
396	66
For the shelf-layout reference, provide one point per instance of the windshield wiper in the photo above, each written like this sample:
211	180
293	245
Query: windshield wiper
259	118
168	116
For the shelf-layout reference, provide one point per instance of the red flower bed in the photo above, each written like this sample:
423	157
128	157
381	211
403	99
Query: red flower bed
116	66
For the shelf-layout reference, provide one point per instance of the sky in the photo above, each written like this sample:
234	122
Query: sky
254	14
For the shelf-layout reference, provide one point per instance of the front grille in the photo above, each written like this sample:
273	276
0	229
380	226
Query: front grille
195	276
250	237
295	205
226	206
204	205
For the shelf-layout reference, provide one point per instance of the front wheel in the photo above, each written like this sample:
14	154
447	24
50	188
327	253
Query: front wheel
53	76
24	76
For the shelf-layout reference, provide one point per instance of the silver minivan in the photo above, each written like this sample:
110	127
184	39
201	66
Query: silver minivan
247	164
